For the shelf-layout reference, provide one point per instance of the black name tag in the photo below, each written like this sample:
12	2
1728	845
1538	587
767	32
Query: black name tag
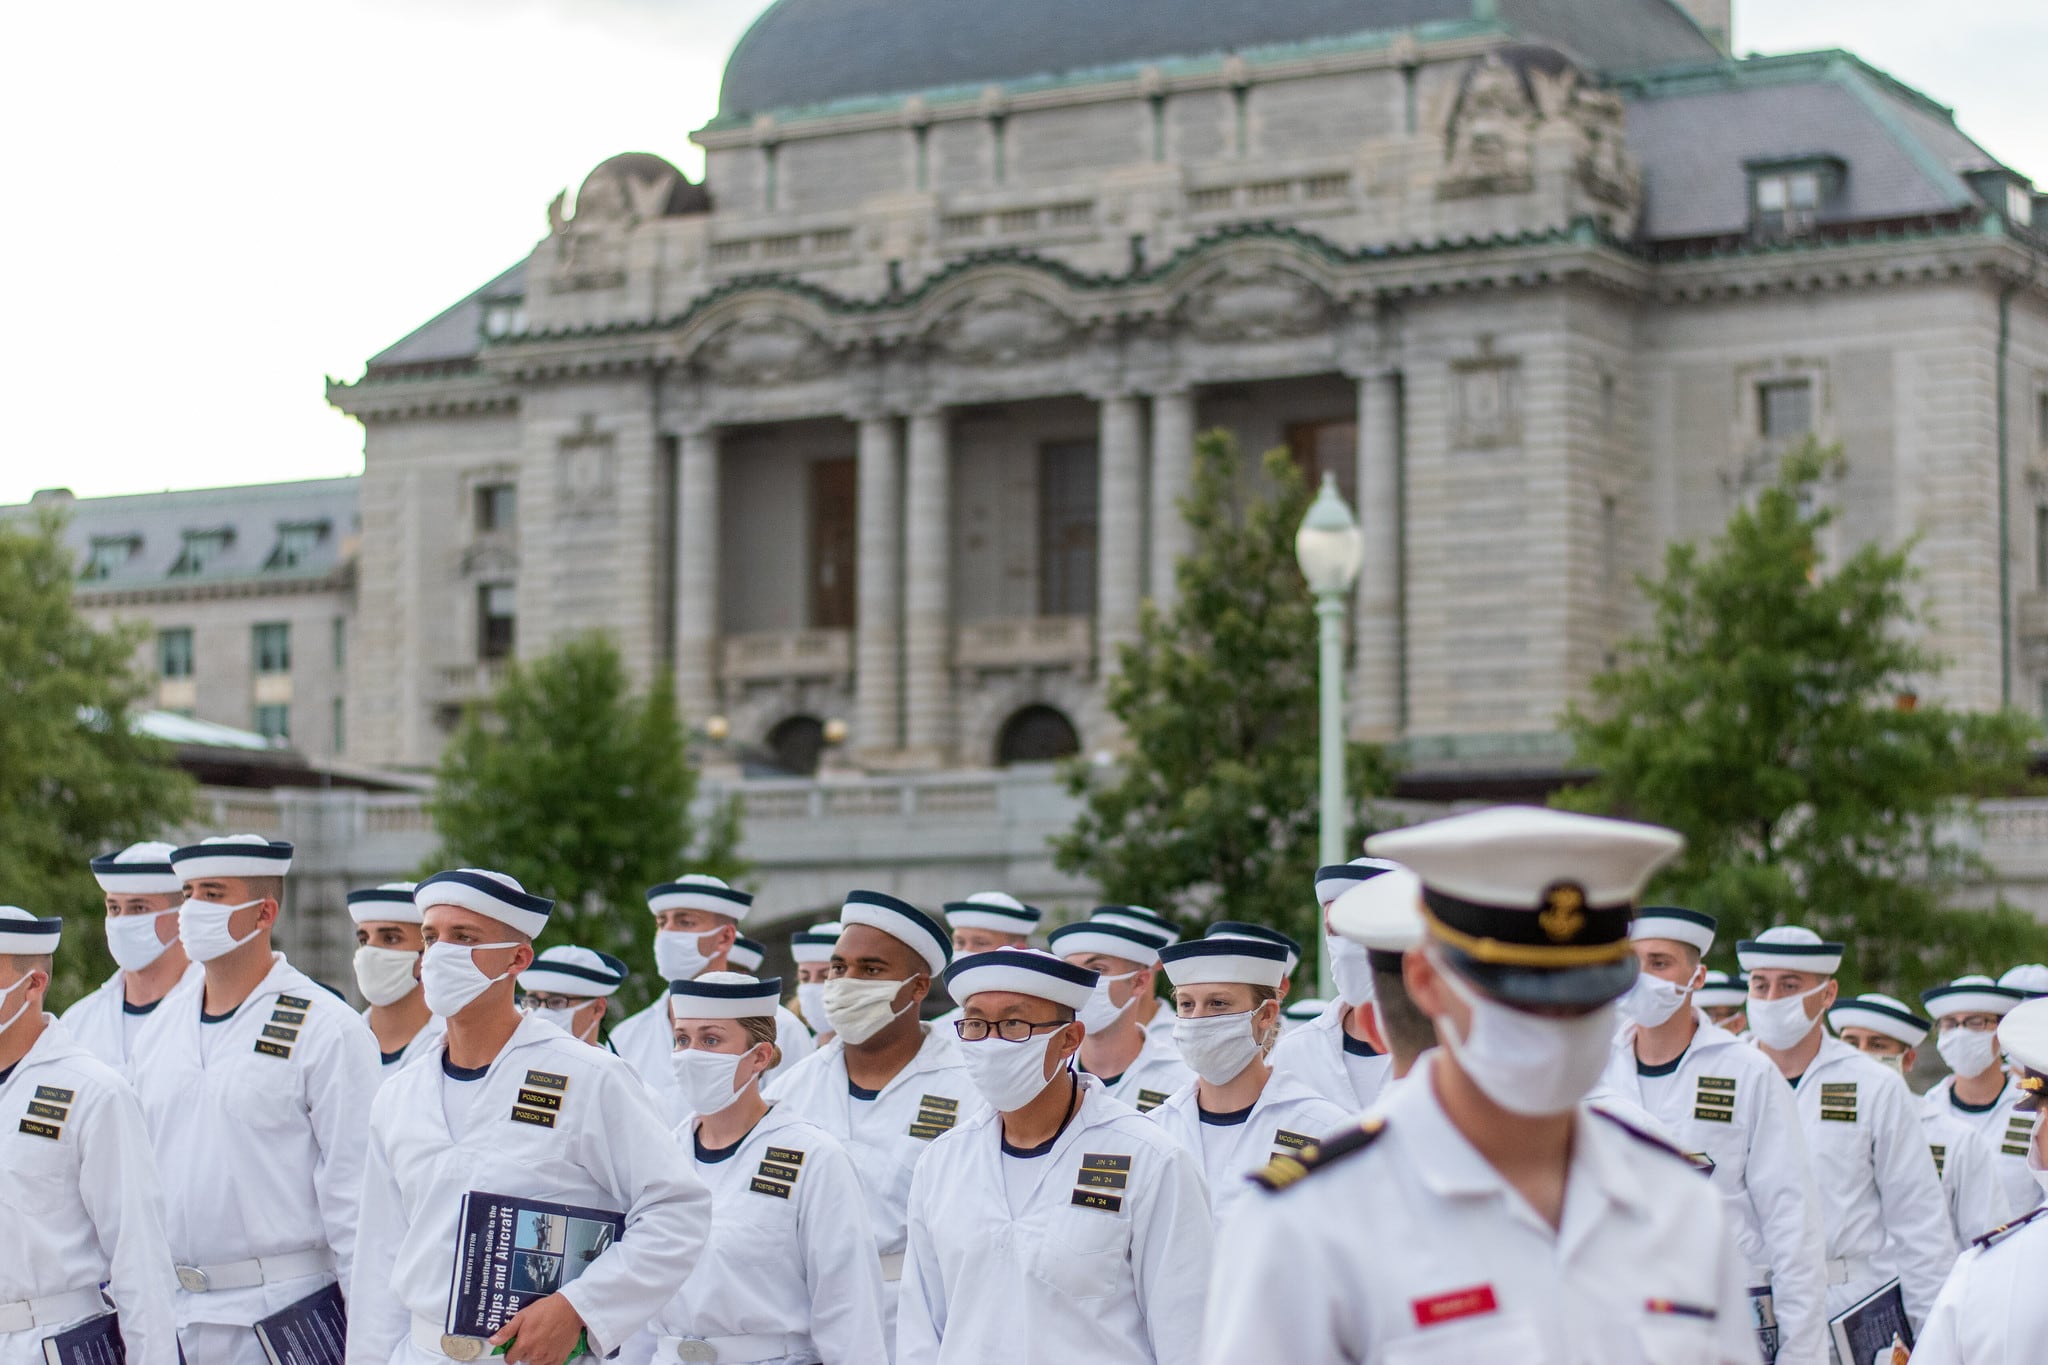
539	1118
1838	1115
785	1156
925	1132
540	1099
270	1049
294	1002
1100	1161
1714	1115
1089	1199
282	1034
776	1171
287	1016
1151	1099
940	1103
37	1109
1103	1180
55	1094
547	1080
1292	1141
41	1130
774	1188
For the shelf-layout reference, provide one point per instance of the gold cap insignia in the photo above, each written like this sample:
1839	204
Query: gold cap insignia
1564	912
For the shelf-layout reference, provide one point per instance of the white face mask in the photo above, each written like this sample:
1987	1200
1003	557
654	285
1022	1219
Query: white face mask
1350	969
810	1000
386	975
20	1009
1527	1064
565	1020
1782	1024
1967	1052
1894	1062
1217	1047
203	929
1099	1015
1009	1075
133	941
676	955
858	1010
1652	1000
449	973
709	1081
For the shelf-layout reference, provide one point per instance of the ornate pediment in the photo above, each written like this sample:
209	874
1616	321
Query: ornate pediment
1511	98
1002	329
765	349
1260	302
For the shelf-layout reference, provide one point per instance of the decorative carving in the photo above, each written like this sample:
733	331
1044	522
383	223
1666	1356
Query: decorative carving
586	472
767	348
617	197
1002	329
1512	97
1492	135
1257	302
1486	399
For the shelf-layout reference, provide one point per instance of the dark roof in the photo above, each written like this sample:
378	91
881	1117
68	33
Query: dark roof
1695	133
456	334
155	526
802	53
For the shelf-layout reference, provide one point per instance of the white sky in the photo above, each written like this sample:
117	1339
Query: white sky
211	204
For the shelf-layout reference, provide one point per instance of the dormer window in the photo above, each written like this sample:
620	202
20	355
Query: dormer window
200	550
504	317
296	541
1787	198
2019	204
108	555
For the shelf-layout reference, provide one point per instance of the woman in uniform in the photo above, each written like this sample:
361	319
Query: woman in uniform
790	1275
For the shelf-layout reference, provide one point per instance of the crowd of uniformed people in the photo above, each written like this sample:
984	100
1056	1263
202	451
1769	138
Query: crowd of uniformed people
1532	1127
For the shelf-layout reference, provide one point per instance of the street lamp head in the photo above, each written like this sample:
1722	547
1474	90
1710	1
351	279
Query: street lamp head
1328	546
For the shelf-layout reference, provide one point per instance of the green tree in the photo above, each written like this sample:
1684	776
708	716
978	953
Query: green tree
1771	717
566	780
76	779
1212	812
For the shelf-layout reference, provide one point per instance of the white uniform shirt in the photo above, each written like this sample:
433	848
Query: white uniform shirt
1412	1248
1992	1310
646	1039
1978	1202
1154	1076
2006	1131
107	1028
1105	1263
606	1149
82	1203
1881	1200
258	1123
1287	1117
1726	1101
1314	1055
426	1043
791	1253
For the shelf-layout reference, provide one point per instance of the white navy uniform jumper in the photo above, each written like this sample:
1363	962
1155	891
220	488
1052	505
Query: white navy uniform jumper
2005	1129
80	1206
109	1027
1396	1241
259	1121
1992	1311
594	1140
1322	1056
1978	1201
1106	1262
426	1043
1229	1148
1726	1101
790	1274
1154	1076
646	1038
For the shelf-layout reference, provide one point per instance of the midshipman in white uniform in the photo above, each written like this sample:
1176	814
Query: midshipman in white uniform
257	1096
1992	1311
1882	1206
512	1106
1238	1115
142	895
887	1083
571	987
1724	1101
985	921
1134	1064
1339	1054
80	1204
387	968
790	1275
1056	1227
1978	1093
697	924
811	949
1383	915
1883	1029
1154	1015
1484	1214
1723	998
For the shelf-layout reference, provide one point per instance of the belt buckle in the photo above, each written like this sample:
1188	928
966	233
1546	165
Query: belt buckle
193	1279
697	1353
463	1348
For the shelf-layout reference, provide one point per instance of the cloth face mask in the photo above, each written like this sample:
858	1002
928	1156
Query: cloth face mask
20	1009
1350	970
451	977
858	1010
1967	1052
810	998
1782	1023
132	939
1009	1075
1652	1000
676	955
1528	1064
709	1081
386	975
203	929
1099	1015
1217	1047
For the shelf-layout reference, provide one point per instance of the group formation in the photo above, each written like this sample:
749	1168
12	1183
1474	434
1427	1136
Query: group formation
1532	1126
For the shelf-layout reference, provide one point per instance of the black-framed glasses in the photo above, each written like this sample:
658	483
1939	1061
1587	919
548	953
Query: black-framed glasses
1009	1030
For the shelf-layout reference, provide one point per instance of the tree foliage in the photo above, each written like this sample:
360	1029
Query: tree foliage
1771	715
1212	814
76	779
567	781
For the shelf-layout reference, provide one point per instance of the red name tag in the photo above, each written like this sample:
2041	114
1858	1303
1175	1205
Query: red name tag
1459	1303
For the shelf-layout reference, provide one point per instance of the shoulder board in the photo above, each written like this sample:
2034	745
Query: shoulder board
1997	1235
1649	1139
1287	1168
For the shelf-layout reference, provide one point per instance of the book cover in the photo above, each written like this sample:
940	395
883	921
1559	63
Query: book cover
510	1252
96	1341
1865	1328
311	1331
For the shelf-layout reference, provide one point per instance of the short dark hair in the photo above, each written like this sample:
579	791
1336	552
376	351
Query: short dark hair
1409	1031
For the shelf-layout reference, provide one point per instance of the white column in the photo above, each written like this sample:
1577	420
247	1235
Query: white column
697	575
927	583
1173	471
878	683
1376	675
1120	527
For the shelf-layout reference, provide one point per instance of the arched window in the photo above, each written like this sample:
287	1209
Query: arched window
795	744
1036	734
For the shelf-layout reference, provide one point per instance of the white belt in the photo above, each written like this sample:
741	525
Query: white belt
892	1265
52	1310
428	1336
729	1350
290	1265
1850	1269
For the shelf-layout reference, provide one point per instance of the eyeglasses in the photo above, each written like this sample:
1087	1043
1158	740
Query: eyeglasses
1975	1023
551	1002
1009	1030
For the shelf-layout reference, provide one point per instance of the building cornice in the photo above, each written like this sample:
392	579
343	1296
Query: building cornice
341	579
379	397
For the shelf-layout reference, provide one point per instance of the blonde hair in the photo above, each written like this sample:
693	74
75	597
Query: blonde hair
761	1029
